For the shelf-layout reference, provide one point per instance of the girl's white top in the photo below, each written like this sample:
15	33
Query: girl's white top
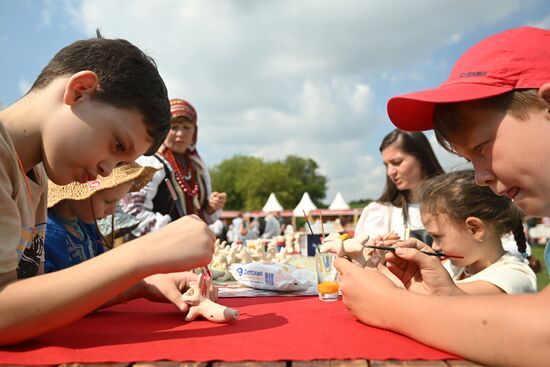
510	273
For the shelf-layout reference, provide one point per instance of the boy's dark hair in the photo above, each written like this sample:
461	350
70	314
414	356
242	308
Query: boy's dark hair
519	103
456	195
417	145
127	78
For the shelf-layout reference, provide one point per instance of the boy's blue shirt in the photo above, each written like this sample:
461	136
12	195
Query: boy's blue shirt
64	249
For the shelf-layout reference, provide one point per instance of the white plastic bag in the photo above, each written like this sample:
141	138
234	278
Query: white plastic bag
274	277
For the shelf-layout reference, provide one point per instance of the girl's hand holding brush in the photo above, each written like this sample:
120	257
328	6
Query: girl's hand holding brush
420	273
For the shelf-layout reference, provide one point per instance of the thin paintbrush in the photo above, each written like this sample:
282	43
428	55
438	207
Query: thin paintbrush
307	221
205	270
322	228
311	230
429	253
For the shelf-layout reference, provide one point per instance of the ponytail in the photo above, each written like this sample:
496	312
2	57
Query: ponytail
519	236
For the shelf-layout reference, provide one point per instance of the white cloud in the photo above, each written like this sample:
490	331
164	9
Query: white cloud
279	77
46	14
543	23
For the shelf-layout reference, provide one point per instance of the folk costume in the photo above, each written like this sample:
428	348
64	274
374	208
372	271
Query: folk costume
184	174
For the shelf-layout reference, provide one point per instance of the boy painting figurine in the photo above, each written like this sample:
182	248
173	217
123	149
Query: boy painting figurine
493	110
98	103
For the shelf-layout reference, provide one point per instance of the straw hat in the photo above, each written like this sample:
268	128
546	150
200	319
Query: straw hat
140	176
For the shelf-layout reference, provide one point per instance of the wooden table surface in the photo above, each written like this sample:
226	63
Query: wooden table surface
314	363
324	363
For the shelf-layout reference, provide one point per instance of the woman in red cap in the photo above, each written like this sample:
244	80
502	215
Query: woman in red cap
182	185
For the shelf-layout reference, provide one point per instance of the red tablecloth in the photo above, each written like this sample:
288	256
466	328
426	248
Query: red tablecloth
269	329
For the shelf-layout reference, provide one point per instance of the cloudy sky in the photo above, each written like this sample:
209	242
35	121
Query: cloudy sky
271	78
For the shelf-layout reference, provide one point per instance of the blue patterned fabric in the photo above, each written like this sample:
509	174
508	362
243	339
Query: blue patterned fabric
64	248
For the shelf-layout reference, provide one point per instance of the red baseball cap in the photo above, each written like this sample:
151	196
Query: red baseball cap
518	58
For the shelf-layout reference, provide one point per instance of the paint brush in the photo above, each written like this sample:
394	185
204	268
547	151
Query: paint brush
307	221
429	253
310	229
322	228
205	270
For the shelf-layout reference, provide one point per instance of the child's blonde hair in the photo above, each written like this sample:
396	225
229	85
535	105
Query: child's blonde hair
456	195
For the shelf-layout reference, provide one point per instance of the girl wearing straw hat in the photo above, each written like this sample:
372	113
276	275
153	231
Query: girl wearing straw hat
72	235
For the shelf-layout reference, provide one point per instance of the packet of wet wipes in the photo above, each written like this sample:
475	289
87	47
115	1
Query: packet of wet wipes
273	276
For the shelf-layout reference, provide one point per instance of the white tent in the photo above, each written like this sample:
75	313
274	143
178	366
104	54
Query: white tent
338	203
305	205
272	204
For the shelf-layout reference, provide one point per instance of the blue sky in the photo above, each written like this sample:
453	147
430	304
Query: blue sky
276	77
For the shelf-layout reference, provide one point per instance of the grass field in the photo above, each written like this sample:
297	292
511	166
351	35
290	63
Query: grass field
542	277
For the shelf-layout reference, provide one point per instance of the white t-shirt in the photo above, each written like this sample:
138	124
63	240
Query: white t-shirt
510	273
379	219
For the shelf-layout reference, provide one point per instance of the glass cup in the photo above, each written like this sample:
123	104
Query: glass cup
327	284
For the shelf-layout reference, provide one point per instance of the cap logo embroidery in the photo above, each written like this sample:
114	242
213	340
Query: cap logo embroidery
471	74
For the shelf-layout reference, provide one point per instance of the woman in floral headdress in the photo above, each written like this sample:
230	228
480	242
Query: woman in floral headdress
182	171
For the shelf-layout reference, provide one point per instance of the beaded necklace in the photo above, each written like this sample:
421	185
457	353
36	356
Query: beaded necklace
186	180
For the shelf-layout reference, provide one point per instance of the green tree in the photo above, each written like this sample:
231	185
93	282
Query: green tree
305	170
226	175
360	203
248	181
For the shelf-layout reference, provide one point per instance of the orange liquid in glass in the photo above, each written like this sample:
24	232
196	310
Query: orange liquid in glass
327	287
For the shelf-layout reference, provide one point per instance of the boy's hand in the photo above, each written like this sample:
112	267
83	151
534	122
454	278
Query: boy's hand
365	291
164	288
168	288
419	272
183	244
